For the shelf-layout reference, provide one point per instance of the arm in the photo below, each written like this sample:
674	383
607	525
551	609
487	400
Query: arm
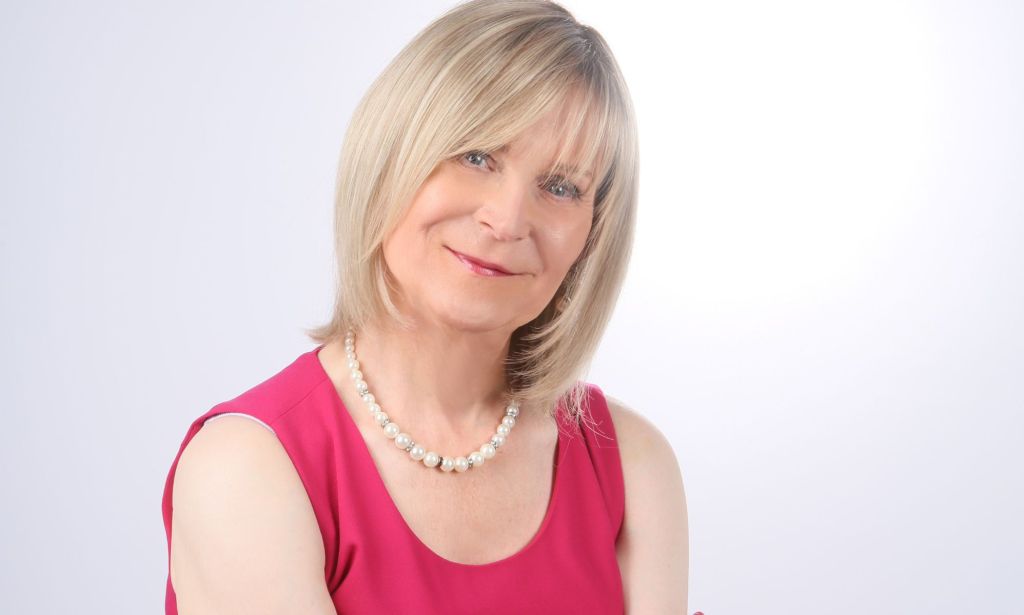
653	549
244	538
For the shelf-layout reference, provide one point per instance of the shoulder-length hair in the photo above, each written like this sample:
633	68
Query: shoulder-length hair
474	79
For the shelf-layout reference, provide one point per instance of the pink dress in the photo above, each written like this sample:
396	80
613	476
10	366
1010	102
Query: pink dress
376	564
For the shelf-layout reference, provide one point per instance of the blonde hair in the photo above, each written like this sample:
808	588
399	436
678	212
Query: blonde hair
474	79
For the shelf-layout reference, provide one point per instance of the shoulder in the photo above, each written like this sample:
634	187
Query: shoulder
241	519
230	446
637	435
647	455
653	548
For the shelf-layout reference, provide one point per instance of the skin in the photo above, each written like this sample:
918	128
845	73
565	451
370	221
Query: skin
654	547
443	384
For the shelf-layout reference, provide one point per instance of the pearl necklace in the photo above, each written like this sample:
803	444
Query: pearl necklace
405	442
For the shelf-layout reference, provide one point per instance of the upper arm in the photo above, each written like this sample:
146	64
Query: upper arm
244	538
653	548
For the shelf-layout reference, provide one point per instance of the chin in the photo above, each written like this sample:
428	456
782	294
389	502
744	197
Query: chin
474	317
473	321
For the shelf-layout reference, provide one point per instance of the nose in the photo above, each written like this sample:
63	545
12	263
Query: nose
505	209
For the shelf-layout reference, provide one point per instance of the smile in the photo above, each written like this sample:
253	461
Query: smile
480	268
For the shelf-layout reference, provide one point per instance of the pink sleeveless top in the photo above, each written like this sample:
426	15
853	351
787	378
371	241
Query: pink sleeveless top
376	564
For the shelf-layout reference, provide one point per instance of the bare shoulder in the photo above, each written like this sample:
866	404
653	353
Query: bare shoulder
644	449
653	549
244	538
636	433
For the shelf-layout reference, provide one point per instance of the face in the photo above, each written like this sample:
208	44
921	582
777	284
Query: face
478	214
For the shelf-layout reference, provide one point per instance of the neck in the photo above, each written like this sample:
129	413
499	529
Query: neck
437	381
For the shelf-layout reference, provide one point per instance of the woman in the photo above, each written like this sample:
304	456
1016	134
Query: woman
437	451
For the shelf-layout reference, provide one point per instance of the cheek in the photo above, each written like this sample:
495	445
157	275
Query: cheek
435	204
564	244
416	238
408	233
402	248
394	242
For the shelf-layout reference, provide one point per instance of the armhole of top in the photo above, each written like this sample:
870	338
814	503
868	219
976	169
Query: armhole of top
604	450
248	416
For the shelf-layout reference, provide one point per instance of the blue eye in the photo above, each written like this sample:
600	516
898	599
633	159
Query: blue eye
571	190
475	154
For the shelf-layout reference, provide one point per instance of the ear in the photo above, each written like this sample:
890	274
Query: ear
562	298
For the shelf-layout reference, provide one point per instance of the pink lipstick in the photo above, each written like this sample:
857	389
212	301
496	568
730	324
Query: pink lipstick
481	267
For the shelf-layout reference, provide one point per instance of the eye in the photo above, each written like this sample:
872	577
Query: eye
474	156
566	190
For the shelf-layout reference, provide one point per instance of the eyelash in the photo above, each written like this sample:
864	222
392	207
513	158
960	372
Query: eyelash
575	193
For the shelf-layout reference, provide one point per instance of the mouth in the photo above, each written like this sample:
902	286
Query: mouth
480	267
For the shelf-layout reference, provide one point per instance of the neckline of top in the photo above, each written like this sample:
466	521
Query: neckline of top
349	421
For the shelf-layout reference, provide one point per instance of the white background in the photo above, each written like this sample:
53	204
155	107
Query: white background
823	312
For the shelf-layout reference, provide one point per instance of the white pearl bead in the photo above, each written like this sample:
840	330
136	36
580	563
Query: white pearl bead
404	441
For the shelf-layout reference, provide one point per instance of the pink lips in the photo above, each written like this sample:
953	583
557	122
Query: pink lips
481	267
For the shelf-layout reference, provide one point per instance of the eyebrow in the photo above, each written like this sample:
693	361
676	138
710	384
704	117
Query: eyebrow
563	168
